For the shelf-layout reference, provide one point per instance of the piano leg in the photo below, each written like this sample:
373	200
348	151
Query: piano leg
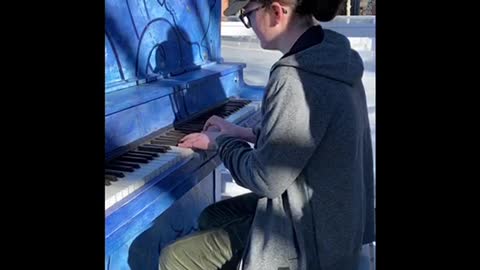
143	251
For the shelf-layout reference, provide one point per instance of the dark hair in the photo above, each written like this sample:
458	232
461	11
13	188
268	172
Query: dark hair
322	10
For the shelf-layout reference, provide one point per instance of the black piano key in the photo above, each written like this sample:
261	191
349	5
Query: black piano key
130	154
189	130
114	173
183	128
152	148
191	125
166	147
176	132
164	142
144	153
119	168
124	163
164	138
133	159
157	145
199	123
111	178
175	137
171	139
238	101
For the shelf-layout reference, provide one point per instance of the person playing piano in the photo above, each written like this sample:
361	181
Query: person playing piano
310	171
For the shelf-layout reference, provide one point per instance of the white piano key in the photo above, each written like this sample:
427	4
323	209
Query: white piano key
136	179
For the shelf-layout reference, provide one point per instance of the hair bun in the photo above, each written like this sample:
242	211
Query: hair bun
322	10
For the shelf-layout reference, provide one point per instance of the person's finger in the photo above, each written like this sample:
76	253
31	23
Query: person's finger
213	121
189	136
183	145
192	142
186	144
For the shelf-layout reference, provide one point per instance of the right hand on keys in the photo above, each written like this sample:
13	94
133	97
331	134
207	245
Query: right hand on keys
203	141
216	123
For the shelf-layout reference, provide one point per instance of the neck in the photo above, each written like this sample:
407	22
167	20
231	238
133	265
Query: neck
291	35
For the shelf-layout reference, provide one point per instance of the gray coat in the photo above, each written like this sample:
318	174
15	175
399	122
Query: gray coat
312	163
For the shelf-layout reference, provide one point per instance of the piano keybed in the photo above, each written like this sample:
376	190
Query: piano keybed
131	170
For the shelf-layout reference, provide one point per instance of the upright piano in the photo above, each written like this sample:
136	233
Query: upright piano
164	77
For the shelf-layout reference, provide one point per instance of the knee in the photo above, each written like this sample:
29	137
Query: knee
167	257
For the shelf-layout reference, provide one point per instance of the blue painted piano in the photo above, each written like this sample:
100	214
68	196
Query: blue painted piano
164	76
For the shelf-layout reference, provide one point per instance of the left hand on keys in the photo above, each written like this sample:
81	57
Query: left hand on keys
203	141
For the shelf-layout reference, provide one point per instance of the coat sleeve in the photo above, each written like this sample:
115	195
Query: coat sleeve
286	140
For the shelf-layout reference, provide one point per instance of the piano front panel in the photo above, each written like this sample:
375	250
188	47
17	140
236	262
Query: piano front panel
150	38
203	94
133	123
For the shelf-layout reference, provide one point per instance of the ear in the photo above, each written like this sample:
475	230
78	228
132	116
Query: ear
278	12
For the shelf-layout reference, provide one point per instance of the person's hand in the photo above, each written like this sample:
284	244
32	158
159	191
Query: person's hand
216	123
202	141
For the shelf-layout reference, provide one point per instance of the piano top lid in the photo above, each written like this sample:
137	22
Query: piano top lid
158	39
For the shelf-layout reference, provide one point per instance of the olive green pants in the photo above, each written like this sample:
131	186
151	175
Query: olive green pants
221	240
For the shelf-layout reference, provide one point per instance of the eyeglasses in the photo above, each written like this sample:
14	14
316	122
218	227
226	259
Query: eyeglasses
244	16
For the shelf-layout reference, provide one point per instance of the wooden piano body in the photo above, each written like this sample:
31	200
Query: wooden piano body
164	75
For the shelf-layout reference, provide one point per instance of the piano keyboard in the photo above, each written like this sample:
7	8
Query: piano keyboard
132	170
